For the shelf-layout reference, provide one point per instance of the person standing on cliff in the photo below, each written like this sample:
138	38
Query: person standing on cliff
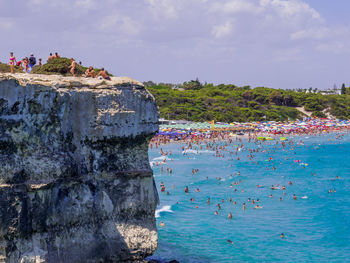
25	63
50	57
32	62
72	67
12	61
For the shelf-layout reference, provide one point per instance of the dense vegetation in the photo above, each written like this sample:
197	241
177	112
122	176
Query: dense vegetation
197	102
61	66
58	65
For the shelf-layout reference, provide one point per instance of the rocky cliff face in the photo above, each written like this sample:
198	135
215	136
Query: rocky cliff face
75	180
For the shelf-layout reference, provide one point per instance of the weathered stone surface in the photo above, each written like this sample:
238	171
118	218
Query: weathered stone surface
75	180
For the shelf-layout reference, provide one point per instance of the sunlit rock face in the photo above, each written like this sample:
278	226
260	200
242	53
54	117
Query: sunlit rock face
75	179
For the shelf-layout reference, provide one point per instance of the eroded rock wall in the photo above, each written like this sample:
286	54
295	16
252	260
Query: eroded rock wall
75	180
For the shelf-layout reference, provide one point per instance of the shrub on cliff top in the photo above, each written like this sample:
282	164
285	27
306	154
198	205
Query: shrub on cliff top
58	66
61	66
5	68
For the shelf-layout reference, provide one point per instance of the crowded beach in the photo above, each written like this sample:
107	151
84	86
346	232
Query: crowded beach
180	131
254	144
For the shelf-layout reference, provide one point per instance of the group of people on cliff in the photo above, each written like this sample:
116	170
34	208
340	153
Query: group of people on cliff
27	64
90	72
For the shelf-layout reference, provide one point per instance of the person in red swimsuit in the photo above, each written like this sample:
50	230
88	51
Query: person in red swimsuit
12	61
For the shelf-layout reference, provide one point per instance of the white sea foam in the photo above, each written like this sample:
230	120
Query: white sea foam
162	158
304	197
197	151
166	208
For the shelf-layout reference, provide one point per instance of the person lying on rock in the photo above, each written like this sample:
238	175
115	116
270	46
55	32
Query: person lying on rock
104	74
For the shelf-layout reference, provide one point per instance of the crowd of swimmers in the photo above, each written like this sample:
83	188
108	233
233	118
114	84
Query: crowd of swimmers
27	63
222	144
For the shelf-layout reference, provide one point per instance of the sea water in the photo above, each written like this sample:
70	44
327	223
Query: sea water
315	225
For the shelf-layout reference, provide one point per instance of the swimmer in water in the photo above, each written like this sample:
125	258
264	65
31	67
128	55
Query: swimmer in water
229	215
208	201
162	224
216	213
186	189
243	206
282	235
294	197
229	241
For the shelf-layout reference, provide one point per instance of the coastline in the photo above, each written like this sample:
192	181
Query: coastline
262	131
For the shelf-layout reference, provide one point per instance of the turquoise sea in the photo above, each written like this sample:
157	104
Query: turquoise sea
315	225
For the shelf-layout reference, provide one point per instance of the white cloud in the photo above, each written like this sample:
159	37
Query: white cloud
164	8
222	30
291	8
120	23
311	33
334	47
235	7
287	55
36	2
85	4
6	23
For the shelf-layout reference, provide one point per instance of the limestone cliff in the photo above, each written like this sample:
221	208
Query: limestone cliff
75	180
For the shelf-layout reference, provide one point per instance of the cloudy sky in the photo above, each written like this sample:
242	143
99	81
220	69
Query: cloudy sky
274	43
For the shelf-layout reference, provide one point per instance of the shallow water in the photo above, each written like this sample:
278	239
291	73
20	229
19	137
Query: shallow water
316	225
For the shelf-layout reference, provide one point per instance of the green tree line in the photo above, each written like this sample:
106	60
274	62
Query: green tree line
227	103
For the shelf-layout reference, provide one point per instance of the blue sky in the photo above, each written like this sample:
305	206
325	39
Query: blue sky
274	43
336	11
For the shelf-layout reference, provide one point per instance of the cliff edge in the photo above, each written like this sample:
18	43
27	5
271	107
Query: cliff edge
75	179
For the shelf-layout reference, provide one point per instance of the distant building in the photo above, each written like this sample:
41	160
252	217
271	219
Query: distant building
331	92
164	121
